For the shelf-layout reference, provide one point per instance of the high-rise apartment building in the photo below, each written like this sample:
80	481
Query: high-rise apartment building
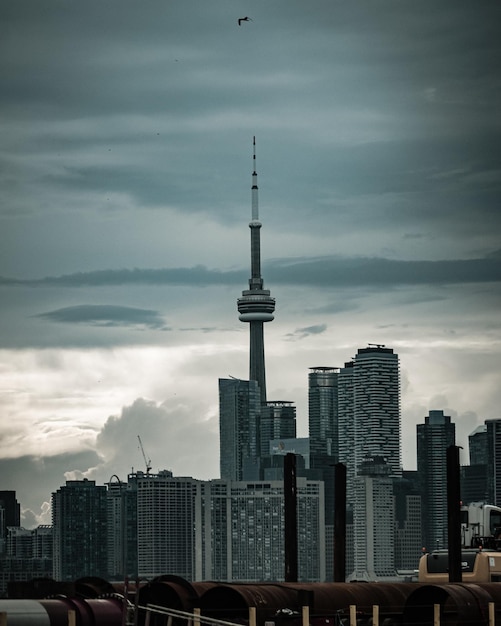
374	521
369	409
122	527
79	520
245	527
369	428
433	438
168	524
28	556
219	529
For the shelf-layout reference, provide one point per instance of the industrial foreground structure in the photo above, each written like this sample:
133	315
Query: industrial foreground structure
171	599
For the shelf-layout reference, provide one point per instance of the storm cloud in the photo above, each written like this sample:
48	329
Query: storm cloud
106	315
126	165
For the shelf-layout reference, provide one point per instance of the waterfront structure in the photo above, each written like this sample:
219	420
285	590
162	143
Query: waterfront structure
256	306
79	520
433	438
244	530
239	415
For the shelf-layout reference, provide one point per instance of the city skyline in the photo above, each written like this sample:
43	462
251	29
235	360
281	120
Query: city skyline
124	239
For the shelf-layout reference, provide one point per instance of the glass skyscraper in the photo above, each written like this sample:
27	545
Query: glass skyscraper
239	437
433	438
494	460
323	414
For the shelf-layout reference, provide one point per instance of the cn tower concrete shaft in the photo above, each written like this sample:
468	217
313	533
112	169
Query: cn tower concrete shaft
256	306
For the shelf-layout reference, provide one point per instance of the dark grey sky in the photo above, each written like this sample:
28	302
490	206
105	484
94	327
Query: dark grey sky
125	166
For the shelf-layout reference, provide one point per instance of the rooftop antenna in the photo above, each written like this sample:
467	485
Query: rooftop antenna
147	461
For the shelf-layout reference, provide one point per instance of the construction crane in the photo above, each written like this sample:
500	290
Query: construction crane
147	461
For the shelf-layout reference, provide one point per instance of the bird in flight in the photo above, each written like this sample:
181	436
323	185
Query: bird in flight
244	19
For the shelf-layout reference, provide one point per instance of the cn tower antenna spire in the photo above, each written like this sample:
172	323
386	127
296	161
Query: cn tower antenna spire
256	306
255	207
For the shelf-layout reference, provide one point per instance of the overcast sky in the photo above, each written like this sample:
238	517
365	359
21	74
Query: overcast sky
125	165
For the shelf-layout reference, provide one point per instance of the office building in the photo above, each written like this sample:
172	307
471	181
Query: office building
474	477
323	415
239	440
79	520
324	436
493	427
433	438
478	445
300	446
408	523
278	421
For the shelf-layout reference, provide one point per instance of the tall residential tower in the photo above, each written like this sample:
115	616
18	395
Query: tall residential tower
256	306
433	438
369	409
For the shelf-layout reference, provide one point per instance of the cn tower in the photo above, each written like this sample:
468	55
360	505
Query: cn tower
256	306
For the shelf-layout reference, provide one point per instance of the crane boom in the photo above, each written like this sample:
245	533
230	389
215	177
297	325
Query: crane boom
147	461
